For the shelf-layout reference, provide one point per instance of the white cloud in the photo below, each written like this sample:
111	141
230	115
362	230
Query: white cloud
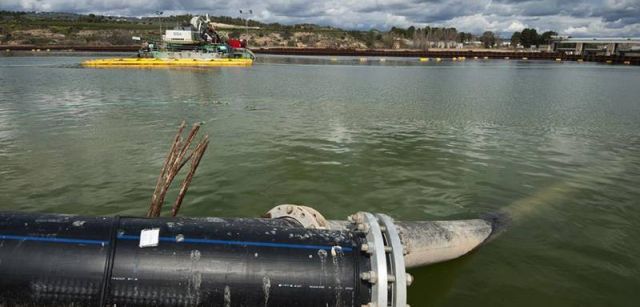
516	26
575	17
576	30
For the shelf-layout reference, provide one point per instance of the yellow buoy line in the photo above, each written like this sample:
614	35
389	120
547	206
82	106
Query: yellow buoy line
153	62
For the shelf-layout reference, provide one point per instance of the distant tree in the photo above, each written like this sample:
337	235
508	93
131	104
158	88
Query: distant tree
396	31
438	34
516	39
286	34
529	37
419	39
464	37
488	39
370	38
450	34
275	26
545	38
387	40
411	31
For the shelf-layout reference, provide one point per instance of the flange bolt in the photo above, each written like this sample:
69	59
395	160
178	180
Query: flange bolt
362	227
356	218
365	248
409	279
371	277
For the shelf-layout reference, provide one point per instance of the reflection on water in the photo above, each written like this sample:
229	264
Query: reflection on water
556	145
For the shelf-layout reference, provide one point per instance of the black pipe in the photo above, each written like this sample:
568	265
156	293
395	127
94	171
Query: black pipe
48	259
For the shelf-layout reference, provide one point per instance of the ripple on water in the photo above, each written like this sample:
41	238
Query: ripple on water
415	141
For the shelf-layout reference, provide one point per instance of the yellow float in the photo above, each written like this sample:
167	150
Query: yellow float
155	62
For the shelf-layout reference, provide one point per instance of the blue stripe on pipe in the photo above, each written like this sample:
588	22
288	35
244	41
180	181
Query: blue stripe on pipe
239	243
54	240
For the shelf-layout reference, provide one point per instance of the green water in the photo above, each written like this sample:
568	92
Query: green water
555	144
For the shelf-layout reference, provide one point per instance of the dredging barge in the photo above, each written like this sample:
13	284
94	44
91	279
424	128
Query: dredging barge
292	257
197	46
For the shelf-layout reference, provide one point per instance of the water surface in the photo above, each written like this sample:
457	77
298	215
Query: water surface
557	144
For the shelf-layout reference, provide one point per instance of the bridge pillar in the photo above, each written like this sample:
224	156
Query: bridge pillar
611	48
579	48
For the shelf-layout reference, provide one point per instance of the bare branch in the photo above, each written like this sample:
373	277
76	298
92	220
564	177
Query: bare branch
198	153
173	163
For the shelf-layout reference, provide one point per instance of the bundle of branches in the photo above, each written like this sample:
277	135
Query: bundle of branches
176	159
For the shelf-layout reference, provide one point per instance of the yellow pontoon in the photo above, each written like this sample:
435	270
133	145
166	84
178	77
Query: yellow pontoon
155	62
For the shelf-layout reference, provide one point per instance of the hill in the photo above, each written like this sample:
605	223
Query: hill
51	28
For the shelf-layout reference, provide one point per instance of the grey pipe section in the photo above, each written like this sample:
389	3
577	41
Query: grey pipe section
428	242
437	241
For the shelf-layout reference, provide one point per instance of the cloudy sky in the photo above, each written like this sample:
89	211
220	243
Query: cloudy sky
571	17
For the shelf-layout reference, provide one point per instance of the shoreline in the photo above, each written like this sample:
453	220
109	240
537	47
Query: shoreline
425	54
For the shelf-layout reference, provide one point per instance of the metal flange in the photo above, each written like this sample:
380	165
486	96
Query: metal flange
386	255
395	261
306	216
375	242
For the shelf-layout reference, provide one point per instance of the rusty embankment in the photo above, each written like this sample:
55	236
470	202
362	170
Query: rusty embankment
469	54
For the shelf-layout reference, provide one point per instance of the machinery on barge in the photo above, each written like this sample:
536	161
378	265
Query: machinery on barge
199	44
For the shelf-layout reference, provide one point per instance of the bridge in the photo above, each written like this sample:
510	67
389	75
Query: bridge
612	46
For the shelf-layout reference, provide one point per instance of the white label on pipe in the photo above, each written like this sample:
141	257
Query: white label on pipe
149	237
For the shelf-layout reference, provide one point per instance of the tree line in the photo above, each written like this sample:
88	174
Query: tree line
529	37
411	37
425	37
